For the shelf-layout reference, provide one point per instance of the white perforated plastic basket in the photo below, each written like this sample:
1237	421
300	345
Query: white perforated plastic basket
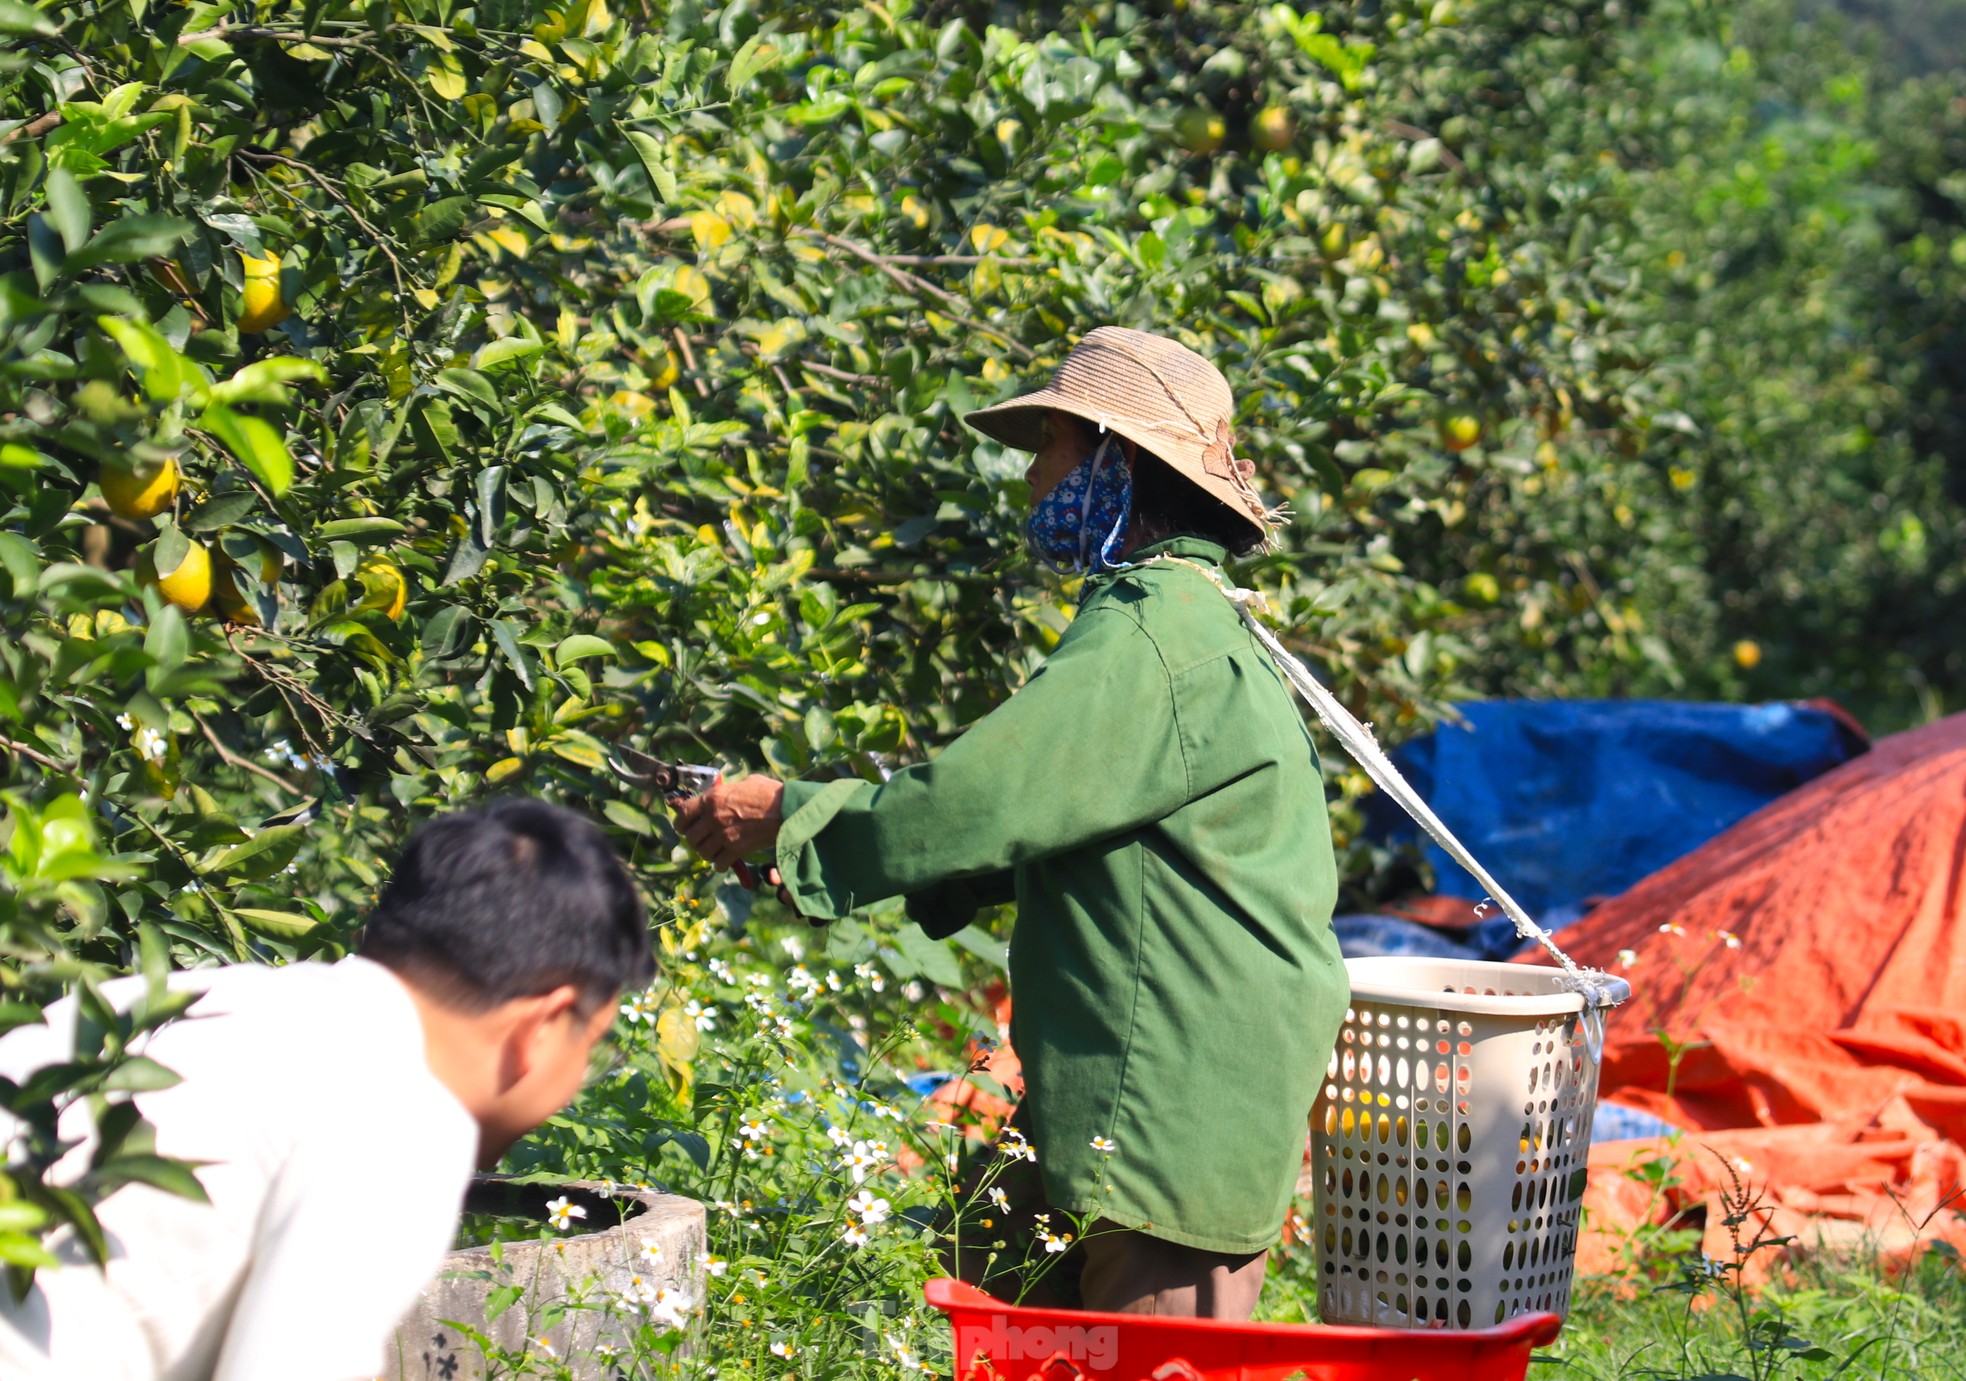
1449	1145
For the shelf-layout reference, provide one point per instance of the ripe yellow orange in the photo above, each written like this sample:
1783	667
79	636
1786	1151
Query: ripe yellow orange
139	491
189	587
670	371
1271	129
1460	430
262	307
1747	654
383	587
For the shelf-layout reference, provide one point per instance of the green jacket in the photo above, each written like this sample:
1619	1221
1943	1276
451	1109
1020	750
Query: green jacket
1153	802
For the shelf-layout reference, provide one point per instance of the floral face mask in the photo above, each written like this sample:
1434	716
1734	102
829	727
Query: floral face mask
1080	524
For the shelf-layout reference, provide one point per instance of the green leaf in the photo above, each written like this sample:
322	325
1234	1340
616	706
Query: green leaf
265	381
754	57
221	511
444	220
655	162
932	959
159	1172
501	1298
68	208
139	1074
128	240
281	925
21	559
167	553
627	817
359	529
16	18
264	854
507	638
256	442
510	348
168	642
578	645
448	633
984	946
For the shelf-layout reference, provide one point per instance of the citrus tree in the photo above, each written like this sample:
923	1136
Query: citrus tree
410	401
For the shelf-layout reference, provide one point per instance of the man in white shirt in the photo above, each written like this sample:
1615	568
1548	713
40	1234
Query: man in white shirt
339	1110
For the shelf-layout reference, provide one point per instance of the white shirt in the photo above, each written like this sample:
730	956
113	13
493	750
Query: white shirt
338	1167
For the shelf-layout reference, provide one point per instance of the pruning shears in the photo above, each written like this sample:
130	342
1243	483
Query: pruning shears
673	782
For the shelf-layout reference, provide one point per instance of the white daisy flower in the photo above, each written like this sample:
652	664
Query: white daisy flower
872	1210
855	1235
669	1307
904	1358
1627	957
1013	1144
562	1211
781	1348
999	1198
1104	1145
858	1160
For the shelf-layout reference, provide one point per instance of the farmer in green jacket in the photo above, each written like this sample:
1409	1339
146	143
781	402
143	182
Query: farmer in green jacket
1151	801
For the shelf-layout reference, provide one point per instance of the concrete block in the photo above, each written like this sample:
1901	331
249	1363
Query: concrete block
578	1294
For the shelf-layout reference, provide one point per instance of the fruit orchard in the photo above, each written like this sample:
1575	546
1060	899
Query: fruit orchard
405	402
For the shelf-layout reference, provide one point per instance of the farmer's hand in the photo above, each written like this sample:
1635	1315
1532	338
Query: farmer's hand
733	819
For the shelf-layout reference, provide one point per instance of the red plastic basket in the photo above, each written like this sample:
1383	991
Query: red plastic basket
1001	1342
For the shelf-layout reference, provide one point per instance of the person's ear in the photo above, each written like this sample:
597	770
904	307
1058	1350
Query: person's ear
536	1021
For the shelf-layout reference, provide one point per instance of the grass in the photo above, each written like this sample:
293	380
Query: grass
766	1080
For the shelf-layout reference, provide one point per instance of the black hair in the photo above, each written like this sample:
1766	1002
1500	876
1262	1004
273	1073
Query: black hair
512	900
1166	503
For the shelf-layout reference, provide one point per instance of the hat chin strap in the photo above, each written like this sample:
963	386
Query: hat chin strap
1085	507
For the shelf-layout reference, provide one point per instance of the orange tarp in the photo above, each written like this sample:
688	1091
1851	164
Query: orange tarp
1811	964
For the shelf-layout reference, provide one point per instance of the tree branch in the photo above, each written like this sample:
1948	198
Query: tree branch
22	750
921	286
226	755
278	35
33	129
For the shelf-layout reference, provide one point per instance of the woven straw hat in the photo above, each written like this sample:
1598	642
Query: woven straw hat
1159	395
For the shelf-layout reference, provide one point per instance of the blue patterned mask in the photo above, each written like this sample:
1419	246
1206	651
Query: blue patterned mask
1079	525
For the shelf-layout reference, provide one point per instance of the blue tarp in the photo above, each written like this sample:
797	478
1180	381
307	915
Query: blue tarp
1569	800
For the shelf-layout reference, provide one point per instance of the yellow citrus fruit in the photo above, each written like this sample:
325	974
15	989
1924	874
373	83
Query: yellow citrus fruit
670	371
1200	130
263	308
1271	129
1747	654
141	491
383	587
233	606
1460	430
189	587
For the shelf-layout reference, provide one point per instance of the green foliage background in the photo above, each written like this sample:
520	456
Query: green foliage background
635	341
